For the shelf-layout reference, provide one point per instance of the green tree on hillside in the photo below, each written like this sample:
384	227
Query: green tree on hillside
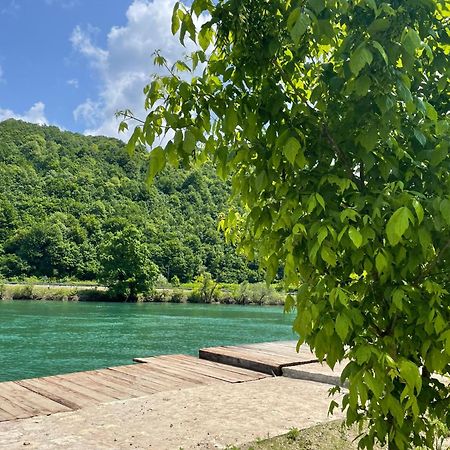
61	193
332	119
126	264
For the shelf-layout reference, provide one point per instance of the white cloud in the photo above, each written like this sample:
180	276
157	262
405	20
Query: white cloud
82	42
36	114
62	3
11	8
73	82
126	65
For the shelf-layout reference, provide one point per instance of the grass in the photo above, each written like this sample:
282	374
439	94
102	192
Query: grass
329	436
51	293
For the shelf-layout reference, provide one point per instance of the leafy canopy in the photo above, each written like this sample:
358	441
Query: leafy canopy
332	119
127	268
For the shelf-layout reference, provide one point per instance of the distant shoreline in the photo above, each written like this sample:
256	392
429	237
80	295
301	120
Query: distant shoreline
40	291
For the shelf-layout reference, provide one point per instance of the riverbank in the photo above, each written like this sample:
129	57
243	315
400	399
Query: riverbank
243	294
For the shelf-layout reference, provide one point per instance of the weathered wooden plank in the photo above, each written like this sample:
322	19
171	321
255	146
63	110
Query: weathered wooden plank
119	384
98	384
56	393
142	384
121	374
202	373
253	354
241	361
5	416
269	358
161	380
64	382
304	355
234	369
13	407
159	366
216	370
27	400
318	372
273	347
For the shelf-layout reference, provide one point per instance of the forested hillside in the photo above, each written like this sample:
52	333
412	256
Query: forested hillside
63	196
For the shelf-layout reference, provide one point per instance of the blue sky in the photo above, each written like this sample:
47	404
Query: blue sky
73	63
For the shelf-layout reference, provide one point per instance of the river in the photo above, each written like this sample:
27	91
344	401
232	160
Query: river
39	338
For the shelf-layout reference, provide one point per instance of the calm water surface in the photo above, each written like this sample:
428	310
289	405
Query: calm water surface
47	338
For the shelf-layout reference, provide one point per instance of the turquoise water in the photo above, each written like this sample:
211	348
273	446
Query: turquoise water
47	338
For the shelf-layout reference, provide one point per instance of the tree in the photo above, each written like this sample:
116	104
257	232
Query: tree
127	268
332	120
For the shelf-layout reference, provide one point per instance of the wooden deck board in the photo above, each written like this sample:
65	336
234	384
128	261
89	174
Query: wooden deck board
214	370
4	416
141	383
20	402
174	370
124	387
260	357
67	382
97	384
234	369
54	392
158	382
202	373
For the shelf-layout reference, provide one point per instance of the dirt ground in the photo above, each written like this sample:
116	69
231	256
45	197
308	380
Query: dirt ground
205	417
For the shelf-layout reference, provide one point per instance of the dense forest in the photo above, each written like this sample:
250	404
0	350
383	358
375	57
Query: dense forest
64	197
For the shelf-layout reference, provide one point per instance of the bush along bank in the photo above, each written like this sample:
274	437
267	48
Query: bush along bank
206	293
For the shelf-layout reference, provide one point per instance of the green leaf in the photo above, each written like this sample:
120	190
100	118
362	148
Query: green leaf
439	154
320	200
424	238
397	225
343	325
204	37
317	5
189	142
431	112
322	234
328	256
362	85
299	28
397	298
369	138
363	354
157	162
381	50
131	145
291	149
410	373
380	263
360	58
418	209
355	236
411	41
374	384
175	19
445	209
231	120
373	5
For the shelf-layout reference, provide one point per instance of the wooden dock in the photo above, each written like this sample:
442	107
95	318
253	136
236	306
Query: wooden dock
227	364
60	393
268	357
